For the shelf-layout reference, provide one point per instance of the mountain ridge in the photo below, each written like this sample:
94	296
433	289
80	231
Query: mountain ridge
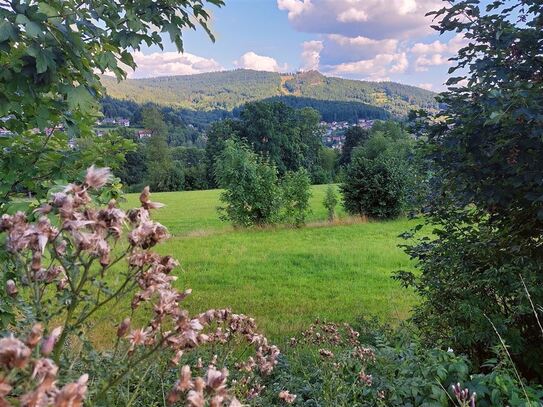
229	90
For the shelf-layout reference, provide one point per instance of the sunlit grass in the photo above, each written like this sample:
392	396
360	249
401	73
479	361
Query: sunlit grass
283	277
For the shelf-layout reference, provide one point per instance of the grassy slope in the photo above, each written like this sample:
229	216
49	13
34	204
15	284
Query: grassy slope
285	277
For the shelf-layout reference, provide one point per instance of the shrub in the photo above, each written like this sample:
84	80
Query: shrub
375	187
252	195
330	202
295	192
334	364
487	209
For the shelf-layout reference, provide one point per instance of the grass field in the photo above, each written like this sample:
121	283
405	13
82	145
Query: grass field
284	277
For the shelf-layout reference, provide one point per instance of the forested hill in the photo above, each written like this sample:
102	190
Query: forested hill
228	90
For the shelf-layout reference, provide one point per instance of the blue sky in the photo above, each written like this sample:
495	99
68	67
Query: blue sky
358	39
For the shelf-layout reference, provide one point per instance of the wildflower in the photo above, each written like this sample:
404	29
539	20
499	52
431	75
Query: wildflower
11	288
148	234
146	202
35	336
13	353
195	397
123	328
463	395
255	391
5	388
216	379
366	379
365	354
49	343
45	372
287	397
73	394
97	177
138	337
325	353
185	382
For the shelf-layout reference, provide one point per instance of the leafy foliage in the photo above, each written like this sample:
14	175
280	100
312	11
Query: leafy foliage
330	364
251	195
162	173
330	202
354	137
289	138
49	53
295	195
382	172
488	211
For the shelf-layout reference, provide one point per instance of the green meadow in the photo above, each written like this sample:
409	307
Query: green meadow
285	277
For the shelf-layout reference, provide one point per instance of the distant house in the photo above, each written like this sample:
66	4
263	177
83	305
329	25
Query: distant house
145	133
4	132
123	122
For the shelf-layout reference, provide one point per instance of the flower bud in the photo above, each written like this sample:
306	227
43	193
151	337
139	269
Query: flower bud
49	343
35	335
123	328
11	288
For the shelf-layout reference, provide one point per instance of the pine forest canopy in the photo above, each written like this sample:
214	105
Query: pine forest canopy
228	90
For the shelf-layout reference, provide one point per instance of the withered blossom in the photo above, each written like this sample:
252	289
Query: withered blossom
72	394
35	335
13	353
287	397
87	232
146	202
123	328
48	344
325	353
365	379
97	177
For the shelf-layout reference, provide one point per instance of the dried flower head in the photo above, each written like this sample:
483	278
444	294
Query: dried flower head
97	177
287	397
13	353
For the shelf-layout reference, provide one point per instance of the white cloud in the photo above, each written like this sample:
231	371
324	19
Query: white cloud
294	7
422	63
352	15
250	60
436	53
378	68
377	19
427	86
339	48
171	63
451	47
311	55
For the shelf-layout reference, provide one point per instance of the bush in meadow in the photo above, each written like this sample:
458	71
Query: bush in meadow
252	195
295	195
374	187
330	202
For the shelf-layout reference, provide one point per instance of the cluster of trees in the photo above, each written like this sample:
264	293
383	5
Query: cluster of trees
290	138
159	161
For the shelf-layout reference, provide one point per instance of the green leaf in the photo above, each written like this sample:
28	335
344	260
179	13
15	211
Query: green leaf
80	97
7	31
